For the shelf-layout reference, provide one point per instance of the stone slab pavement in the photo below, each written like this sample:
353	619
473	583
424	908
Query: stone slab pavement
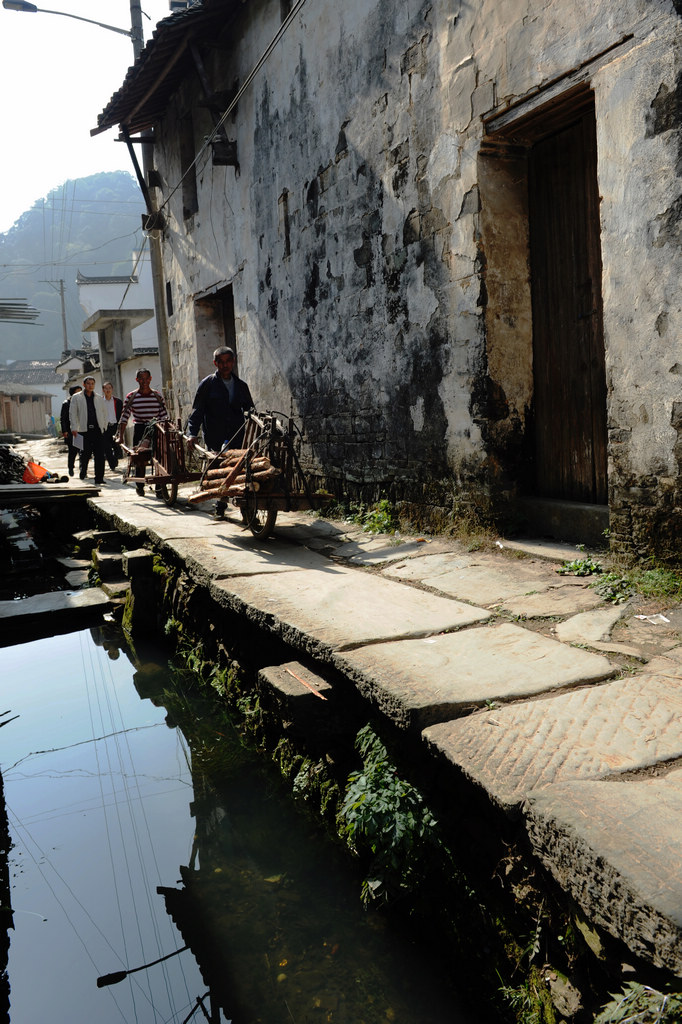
336	608
631	842
587	762
418	682
591	733
529	587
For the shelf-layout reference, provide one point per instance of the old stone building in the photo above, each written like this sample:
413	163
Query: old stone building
444	236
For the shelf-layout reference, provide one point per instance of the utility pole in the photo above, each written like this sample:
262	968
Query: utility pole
155	253
53	284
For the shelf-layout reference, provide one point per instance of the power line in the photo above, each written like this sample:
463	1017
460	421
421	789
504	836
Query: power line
247	82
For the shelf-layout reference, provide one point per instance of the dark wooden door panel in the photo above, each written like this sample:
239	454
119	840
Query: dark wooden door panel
568	348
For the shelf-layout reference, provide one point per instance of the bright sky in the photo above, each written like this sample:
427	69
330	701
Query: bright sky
56	76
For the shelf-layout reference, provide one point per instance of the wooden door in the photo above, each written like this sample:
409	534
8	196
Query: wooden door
568	345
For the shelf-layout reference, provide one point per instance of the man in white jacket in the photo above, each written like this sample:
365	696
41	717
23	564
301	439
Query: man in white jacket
89	420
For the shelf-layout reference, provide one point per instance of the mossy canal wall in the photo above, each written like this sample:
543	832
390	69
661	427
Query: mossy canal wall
461	869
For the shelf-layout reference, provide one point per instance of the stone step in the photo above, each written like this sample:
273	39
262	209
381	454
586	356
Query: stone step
299	696
73	563
564	520
108	564
77	578
116	588
50	614
88	540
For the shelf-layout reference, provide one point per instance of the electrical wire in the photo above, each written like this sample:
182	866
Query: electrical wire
43	858
233	103
113	709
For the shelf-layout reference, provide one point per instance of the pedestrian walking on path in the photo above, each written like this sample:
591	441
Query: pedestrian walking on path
114	408
146	407
88	419
221	400
65	421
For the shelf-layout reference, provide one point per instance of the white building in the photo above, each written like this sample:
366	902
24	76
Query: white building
120	310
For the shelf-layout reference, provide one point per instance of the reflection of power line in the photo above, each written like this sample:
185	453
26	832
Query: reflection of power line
17	311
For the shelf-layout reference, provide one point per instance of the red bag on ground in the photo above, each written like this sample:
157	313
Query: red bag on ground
34	473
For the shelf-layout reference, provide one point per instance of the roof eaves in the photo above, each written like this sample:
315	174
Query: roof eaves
160	68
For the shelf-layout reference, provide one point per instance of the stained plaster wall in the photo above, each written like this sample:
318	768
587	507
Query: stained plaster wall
358	234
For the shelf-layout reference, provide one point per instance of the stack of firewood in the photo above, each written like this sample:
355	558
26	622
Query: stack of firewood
228	479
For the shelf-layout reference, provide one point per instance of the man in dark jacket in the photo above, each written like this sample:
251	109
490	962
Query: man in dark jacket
114	406
66	427
221	400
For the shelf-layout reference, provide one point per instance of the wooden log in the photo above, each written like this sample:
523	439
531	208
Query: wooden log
222	471
199	496
233	454
267	474
222	484
262	477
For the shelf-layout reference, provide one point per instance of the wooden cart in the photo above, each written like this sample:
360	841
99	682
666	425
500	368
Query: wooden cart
264	476
165	460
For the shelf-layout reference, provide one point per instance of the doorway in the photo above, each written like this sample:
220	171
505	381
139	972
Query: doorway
544	331
569	379
214	325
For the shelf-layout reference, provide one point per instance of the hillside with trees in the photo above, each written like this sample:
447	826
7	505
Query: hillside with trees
89	224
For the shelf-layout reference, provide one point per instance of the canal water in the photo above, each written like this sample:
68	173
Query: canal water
121	857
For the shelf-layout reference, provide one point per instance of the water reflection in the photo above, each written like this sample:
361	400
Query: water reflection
282	907
109	871
97	790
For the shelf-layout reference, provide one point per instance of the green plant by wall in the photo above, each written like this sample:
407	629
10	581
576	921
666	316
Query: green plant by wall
580	567
639	1004
385	816
376	517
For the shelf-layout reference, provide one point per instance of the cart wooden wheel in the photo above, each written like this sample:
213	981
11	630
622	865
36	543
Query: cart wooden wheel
260	521
168	489
169	492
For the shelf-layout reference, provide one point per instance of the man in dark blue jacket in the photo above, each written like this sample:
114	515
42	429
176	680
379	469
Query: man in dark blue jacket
221	400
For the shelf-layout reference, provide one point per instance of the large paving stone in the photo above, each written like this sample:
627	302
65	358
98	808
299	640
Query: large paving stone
616	847
589	733
589	627
418	682
427	564
336	608
565	597
555	551
483	580
49	614
219	557
350	544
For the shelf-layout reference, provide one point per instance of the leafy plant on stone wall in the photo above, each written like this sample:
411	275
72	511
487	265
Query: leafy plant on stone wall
377	517
639	1004
385	817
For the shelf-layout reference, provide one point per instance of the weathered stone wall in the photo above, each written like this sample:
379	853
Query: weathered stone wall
377	255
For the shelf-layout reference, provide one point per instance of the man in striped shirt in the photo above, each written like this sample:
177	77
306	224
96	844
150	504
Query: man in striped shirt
145	406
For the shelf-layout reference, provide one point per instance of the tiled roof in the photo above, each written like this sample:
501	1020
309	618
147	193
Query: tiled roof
30	364
163	64
29	377
20	389
25	372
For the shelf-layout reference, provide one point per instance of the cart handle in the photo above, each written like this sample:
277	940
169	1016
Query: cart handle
198	448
